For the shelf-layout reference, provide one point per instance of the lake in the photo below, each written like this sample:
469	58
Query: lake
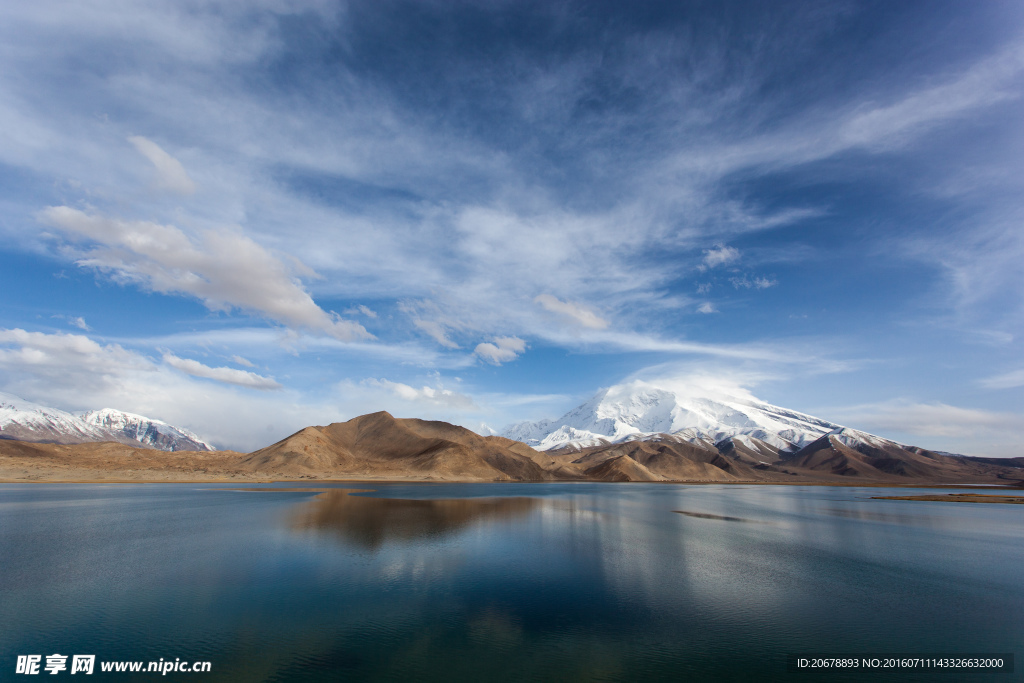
504	582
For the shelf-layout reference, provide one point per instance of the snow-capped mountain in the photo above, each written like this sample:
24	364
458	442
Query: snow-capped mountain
849	452
151	432
28	421
696	414
852	438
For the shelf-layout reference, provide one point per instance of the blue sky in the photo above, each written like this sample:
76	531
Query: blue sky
244	218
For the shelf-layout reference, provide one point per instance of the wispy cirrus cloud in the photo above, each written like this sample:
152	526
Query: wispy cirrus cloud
928	419
1006	380
936	425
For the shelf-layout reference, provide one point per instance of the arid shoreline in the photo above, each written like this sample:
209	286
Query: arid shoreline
378	448
428	480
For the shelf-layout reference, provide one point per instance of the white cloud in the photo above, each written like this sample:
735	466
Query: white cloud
435	331
867	122
225	270
706	307
787	358
240	378
433	396
936	425
702	380
501	349
1007	380
928	419
243	361
259	340
170	174
40	358
720	255
575	312
78	322
361	309
757	283
431	399
890	125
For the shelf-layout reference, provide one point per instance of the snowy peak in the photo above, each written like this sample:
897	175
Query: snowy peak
849	452
694	413
528	432
854	438
155	433
27	421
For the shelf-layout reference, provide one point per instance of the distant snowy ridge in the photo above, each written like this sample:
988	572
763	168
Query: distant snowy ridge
155	433
21	419
28	421
644	410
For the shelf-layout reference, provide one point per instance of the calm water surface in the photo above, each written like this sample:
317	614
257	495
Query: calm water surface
616	582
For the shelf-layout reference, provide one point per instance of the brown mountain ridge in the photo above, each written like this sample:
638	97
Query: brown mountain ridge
379	446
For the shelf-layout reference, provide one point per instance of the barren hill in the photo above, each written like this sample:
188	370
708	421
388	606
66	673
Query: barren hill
379	445
111	461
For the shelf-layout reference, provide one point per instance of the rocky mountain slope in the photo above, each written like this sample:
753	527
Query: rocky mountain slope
146	431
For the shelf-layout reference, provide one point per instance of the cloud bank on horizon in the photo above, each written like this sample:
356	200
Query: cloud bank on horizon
292	212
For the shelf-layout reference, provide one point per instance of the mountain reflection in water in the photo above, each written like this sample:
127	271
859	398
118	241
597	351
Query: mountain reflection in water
369	522
505	582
